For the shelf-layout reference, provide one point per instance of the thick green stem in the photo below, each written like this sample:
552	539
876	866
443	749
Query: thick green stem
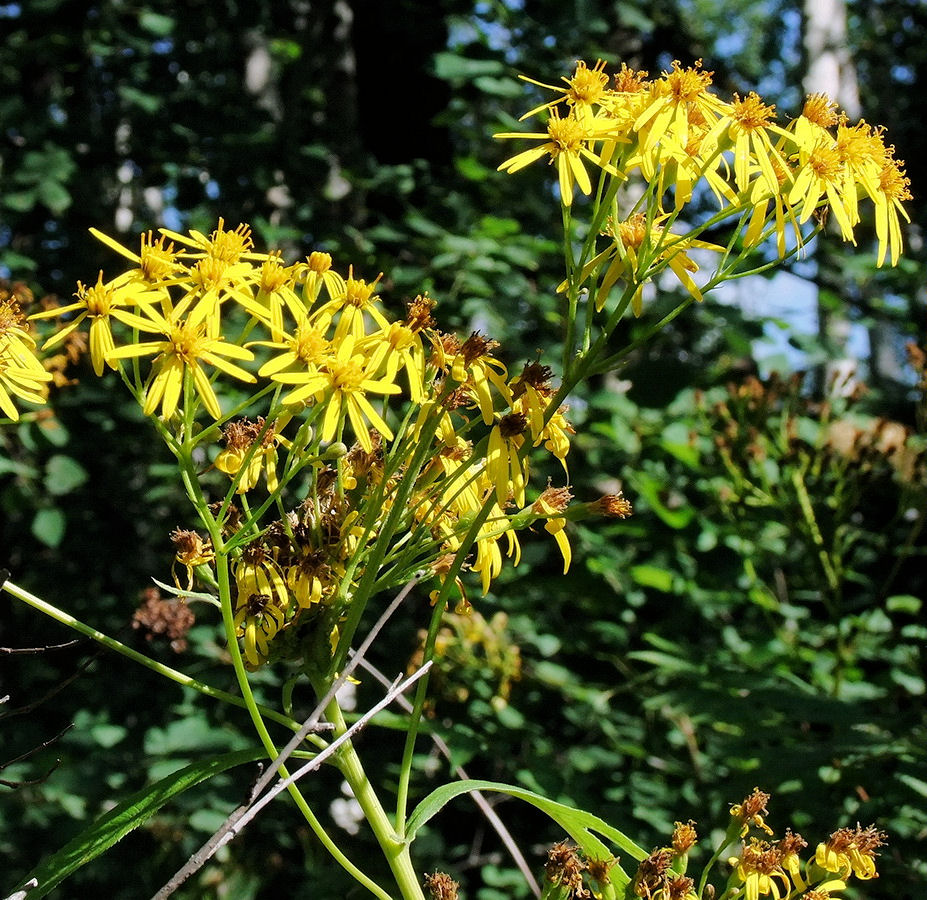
395	849
222	577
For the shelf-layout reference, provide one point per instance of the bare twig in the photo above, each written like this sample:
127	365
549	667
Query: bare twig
57	689
484	806
31	651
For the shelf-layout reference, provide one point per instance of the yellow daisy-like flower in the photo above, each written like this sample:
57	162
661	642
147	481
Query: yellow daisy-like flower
357	300
101	303
157	260
822	174
21	373
760	870
551	502
851	850
185	348
749	129
342	383
504	466
397	347
227	246
567	142
681	98
315	273
891	193
635	237
585	89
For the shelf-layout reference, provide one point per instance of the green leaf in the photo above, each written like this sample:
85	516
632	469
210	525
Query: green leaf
54	195
904	603
653	577
581	826
453	65
48	526
148	103
156	24
63	474
127	816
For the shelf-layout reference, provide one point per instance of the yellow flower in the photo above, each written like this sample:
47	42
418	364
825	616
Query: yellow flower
892	192
100	304
760	870
635	238
395	347
851	850
317	272
748	130
822	173
678	101
551	502
357	299
184	349
21	373
157	261
191	551
342	383
586	88
506	469
261	605
227	246
567	142
239	439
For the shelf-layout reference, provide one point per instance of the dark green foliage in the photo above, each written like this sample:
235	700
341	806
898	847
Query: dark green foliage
695	650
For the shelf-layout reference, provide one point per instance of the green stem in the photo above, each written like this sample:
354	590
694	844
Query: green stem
161	669
395	849
222	577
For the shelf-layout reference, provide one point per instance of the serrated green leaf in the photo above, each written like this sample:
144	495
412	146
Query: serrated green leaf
127	816
581	826
63	474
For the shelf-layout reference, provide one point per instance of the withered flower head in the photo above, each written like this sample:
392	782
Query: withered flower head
418	316
564	867
651	873
190	549
751	811
792	844
680	888
170	617
599	868
612	506
513	424
536	376
684	837
441	886
552	500
476	346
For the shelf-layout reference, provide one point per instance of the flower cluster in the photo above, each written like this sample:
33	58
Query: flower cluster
677	135
766	867
441	432
761	866
22	375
